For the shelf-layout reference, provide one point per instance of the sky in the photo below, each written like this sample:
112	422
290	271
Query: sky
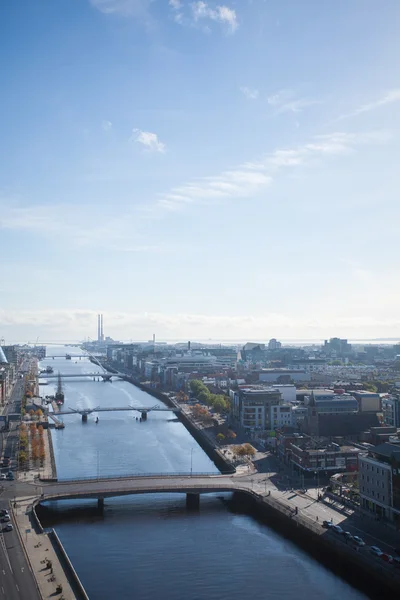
199	170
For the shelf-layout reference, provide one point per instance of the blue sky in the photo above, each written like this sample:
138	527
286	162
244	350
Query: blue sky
199	169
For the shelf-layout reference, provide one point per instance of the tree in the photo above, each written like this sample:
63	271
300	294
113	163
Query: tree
231	434
220	438
219	404
203	397
22	457
39	413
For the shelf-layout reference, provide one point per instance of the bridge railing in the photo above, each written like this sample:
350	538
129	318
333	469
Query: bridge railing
142	476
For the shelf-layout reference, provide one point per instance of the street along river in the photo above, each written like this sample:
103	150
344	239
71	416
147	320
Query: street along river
149	547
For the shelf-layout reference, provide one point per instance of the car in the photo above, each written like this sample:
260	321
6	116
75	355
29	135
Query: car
3	512
8	527
10	476
3	476
375	550
337	529
386	557
5	518
359	541
327	524
348	535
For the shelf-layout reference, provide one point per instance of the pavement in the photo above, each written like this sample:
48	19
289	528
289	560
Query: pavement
24	551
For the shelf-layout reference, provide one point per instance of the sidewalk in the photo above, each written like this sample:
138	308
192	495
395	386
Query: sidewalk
39	548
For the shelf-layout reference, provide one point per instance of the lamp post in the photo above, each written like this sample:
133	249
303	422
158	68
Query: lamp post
191	462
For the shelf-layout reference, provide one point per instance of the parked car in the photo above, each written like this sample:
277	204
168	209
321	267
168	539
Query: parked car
327	524
375	550
337	529
3	512
5	518
10	476
8	527
359	541
348	535
3	476
387	557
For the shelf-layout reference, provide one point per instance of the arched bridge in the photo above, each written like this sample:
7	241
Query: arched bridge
190	485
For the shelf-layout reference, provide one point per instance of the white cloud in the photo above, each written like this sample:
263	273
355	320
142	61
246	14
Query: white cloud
125	8
175	4
286	101
149	140
251	94
221	14
76	323
106	125
391	97
249	179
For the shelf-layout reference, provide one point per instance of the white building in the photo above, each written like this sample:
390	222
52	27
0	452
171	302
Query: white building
288	392
280	416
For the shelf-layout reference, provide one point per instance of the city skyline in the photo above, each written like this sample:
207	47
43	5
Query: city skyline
202	170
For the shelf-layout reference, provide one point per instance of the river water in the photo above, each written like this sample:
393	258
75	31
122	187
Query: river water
149	547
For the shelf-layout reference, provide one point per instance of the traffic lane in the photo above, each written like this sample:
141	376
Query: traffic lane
9	587
23	578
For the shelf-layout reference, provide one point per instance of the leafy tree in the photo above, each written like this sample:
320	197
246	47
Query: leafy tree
231	434
203	397
220	438
22	457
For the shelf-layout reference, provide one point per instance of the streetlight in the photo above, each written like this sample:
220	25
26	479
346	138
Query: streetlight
191	462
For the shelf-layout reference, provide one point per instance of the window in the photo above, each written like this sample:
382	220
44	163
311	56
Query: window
372	468
373	494
367	478
377	495
383	498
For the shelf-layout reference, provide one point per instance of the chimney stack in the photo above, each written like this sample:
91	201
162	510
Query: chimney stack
101	331
98	329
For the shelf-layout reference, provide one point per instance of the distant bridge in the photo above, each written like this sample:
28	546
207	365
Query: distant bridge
105	375
143	410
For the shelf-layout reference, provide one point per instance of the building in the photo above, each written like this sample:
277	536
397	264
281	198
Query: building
283	375
288	391
379	481
391	410
337	347
273	344
367	401
327	402
330	458
281	416
251	406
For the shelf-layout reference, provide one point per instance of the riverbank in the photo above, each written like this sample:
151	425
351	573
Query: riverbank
364	571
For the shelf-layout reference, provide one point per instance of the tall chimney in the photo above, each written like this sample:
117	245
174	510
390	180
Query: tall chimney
98	328
102	333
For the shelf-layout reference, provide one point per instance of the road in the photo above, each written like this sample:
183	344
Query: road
16	579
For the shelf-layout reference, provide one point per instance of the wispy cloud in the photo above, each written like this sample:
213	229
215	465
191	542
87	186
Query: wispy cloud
149	140
202	11
124	8
389	98
250	178
175	4
250	93
286	101
77	225
106	125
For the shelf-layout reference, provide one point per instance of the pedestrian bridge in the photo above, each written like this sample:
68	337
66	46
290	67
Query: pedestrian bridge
191	485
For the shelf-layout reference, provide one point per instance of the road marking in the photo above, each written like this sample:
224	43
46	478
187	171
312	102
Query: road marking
17	587
2	589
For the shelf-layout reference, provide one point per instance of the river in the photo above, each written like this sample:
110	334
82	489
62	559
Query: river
148	547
